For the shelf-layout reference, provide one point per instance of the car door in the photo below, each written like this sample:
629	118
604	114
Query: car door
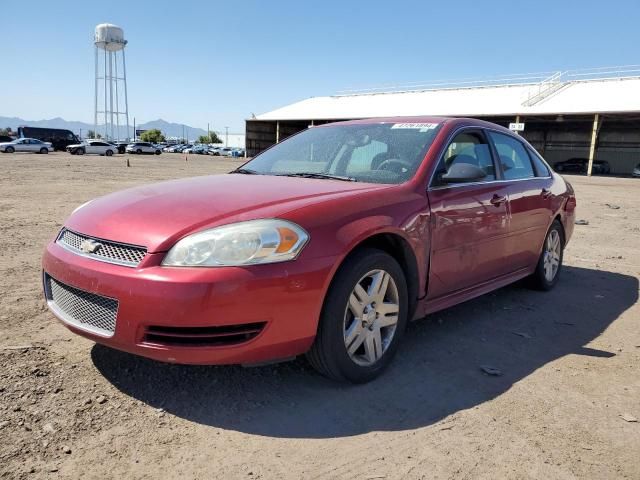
470	221
530	198
101	147
94	147
23	145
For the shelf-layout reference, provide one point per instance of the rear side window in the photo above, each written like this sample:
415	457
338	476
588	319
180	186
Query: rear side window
541	168
513	156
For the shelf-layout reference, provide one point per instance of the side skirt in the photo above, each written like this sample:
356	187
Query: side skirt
459	296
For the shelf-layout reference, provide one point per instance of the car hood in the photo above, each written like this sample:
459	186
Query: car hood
158	215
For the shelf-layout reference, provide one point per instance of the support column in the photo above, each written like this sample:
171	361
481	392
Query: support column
592	148
277	131
517	121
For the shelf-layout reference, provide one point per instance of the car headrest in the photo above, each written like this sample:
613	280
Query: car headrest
507	163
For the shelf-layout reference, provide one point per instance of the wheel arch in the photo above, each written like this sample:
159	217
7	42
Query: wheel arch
398	247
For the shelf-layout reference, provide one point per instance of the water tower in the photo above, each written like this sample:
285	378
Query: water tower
111	81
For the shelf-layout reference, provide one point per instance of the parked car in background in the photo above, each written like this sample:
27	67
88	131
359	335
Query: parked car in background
95	147
226	151
143	147
238	152
182	148
200	149
6	139
328	244
636	171
121	146
580	165
59	138
32	145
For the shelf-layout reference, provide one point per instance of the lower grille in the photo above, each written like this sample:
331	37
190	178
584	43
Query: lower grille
203	336
88	311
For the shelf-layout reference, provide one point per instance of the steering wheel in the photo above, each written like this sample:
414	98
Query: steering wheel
396	165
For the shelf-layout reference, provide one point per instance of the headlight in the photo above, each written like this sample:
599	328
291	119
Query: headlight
245	243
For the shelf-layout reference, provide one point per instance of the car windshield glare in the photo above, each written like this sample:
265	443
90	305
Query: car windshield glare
387	153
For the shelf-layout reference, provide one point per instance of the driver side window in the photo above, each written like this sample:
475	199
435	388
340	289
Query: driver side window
469	147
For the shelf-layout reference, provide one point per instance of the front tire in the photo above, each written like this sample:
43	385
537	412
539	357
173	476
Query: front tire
138	151
158	152
549	265
108	153
363	318
9	150
80	151
44	150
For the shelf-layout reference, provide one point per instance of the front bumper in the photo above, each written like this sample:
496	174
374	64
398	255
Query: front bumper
286	297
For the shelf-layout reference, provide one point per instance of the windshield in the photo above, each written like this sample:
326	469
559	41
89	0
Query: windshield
374	153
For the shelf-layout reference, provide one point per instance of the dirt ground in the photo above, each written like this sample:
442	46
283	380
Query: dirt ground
563	408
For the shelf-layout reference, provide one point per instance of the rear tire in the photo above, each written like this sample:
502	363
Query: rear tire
158	152
138	151
361	326
108	153
549	265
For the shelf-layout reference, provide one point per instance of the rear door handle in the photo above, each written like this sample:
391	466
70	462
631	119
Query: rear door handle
546	193
497	200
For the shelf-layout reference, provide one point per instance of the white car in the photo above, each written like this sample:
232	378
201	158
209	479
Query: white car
26	145
97	147
636	171
143	147
226	151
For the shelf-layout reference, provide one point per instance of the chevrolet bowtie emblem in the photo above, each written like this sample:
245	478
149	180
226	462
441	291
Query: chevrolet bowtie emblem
90	246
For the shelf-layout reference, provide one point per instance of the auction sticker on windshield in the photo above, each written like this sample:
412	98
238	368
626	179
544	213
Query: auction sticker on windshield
423	127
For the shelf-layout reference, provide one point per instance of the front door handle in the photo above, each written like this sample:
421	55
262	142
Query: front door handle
497	200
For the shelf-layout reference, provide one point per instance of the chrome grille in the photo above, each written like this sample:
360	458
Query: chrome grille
113	252
88	311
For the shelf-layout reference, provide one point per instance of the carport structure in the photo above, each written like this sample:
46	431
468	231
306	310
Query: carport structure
591	114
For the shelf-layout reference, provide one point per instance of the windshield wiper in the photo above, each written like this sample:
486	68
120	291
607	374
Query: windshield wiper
327	176
245	171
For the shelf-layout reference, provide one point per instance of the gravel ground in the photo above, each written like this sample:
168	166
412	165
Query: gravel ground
564	407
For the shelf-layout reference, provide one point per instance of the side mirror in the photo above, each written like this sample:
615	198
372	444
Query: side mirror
463	172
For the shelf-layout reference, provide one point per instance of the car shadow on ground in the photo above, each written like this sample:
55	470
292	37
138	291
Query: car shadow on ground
436	372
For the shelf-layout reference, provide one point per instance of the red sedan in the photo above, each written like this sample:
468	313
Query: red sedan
325	244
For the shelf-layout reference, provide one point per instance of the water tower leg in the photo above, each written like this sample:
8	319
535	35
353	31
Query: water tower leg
115	66
111	95
105	94
95	98
126	100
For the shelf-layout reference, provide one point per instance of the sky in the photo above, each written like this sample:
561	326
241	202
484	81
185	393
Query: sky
199	62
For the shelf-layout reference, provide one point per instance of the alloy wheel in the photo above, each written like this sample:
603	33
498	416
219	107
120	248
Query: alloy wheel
552	251
371	317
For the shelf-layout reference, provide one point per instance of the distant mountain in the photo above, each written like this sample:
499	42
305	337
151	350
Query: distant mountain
167	128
